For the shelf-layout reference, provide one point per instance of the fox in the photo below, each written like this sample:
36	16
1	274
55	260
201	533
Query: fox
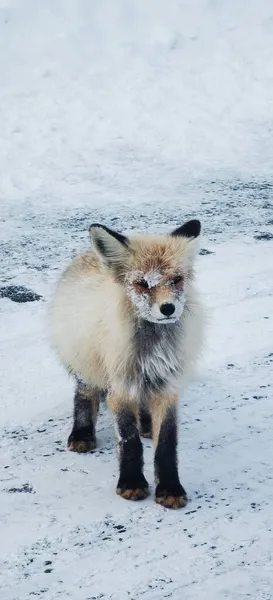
127	321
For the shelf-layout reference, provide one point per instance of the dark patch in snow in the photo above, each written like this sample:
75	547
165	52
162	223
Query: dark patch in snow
26	488
264	236
120	528
205	252
19	293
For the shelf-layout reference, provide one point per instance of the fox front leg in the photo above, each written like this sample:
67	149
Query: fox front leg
132	484
169	491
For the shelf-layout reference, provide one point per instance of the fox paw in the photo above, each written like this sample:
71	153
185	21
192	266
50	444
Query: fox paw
137	489
81	440
174	498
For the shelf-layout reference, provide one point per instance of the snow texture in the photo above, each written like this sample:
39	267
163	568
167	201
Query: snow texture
153	278
138	115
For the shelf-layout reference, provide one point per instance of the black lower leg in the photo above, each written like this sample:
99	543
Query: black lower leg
132	483
169	491
86	405
145	421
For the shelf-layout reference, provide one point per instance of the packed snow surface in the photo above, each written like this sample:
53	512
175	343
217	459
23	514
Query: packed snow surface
138	115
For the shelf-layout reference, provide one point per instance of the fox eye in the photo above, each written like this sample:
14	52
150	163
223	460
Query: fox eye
143	284
177	279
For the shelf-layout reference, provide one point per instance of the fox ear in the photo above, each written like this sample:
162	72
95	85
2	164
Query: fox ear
112	247
189	233
190	230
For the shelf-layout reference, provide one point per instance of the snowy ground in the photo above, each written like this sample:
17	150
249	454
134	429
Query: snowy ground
138	115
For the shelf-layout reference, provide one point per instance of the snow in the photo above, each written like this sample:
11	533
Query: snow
152	278
138	115
139	298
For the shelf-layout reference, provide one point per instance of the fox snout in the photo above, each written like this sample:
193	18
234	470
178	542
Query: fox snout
167	309
167	304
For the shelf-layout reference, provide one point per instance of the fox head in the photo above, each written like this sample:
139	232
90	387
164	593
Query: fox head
153	270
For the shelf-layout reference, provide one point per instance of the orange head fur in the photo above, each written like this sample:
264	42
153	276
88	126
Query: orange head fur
153	270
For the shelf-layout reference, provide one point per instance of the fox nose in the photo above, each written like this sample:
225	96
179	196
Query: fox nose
167	309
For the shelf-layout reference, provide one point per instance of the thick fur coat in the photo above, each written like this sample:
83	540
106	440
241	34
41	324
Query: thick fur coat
97	332
127	318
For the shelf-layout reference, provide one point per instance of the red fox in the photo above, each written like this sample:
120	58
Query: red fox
126	318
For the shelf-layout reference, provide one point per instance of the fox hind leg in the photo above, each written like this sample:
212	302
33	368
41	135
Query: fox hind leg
145	421
86	407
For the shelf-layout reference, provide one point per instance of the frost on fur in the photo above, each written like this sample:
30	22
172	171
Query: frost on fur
127	319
